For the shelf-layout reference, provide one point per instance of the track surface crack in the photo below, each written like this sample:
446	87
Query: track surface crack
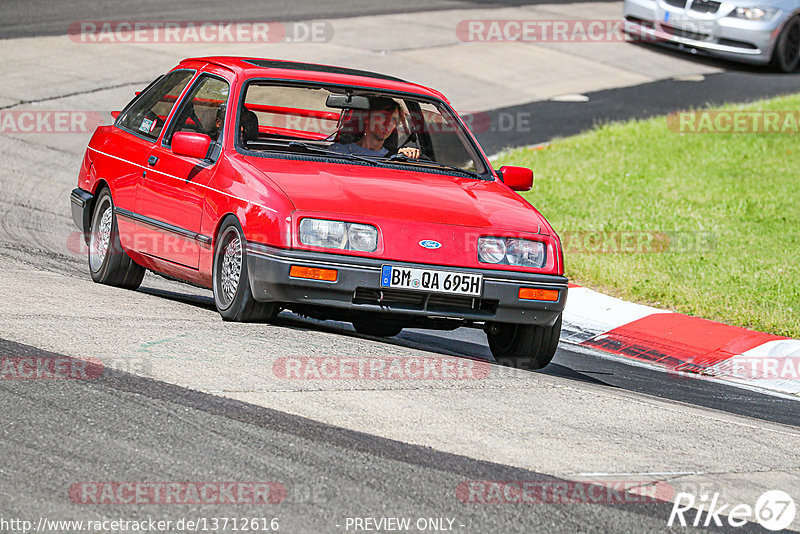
75	93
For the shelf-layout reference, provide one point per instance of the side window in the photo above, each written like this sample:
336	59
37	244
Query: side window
149	112
447	139
203	109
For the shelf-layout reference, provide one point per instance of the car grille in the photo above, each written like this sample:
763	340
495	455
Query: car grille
737	44
686	34
676	3
705	6
641	22
398	299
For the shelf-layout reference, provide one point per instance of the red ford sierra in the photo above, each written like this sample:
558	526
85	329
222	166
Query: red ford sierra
332	192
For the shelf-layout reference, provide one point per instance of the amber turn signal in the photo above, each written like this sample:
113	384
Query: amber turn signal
530	293
311	273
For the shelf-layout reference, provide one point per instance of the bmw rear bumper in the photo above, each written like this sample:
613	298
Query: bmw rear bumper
357	289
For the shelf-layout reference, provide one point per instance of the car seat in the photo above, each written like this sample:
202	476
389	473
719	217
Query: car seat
249	126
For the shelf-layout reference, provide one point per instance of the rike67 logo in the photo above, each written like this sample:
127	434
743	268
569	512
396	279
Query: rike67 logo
774	510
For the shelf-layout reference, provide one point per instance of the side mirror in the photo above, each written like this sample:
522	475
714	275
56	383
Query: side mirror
517	178
193	145
115	114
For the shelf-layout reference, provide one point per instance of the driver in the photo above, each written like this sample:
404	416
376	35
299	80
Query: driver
379	123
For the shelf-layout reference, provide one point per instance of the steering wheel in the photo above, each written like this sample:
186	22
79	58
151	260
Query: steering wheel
422	155
184	125
410	137
400	155
198	126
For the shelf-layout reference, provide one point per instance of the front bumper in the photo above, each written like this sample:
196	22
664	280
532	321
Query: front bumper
357	289
657	21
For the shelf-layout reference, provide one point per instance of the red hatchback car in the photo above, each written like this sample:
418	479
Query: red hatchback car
332	192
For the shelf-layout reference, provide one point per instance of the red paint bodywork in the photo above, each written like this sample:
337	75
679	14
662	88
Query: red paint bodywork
517	178
269	196
193	145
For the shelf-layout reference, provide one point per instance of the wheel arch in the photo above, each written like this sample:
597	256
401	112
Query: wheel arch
218	226
99	185
795	14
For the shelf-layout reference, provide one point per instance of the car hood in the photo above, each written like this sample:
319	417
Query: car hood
388	193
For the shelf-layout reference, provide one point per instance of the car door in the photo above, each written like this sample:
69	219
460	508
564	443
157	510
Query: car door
173	188
138	128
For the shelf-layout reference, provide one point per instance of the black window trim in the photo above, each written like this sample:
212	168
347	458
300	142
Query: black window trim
315	67
183	99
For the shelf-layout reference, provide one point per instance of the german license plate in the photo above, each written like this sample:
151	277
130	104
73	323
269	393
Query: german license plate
431	280
682	22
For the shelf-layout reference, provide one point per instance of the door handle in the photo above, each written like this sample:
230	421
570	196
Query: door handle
152	160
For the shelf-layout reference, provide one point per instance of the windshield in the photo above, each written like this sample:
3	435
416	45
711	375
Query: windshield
346	124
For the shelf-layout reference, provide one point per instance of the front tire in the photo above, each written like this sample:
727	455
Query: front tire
786	56
524	346
109	264
231	282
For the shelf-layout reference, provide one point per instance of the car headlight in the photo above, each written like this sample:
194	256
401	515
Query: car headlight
525	253
754	13
362	237
338	234
491	249
511	251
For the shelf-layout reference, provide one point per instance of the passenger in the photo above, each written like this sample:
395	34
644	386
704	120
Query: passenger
379	123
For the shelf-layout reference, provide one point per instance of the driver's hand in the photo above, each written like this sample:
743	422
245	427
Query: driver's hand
409	152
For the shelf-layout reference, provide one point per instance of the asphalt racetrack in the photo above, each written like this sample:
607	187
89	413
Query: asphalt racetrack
185	397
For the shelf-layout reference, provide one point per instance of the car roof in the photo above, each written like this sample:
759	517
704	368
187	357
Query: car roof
294	70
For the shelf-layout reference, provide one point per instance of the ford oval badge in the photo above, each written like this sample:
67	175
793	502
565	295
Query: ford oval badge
430	244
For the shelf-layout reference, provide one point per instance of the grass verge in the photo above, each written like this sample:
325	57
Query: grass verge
710	222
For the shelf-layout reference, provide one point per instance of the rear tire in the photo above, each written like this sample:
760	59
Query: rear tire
109	264
786	55
231	281
524	346
372	327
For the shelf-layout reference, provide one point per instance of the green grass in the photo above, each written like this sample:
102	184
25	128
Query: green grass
739	194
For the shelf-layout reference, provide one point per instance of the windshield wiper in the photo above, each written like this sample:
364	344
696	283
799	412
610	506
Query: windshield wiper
329	152
428	163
